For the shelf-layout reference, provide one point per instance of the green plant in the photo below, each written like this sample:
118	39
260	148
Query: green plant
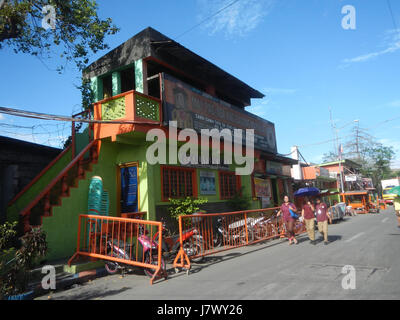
239	202
16	264
183	207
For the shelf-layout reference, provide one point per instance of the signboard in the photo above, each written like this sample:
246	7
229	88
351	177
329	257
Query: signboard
351	178
197	110
207	182
274	167
262	188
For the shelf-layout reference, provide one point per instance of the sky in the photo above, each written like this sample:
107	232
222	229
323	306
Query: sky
296	52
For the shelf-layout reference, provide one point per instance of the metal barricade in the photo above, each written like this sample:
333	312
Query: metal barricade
122	240
206	234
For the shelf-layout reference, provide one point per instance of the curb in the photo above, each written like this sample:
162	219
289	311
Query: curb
68	281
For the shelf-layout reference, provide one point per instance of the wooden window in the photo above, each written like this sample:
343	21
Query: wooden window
229	184
178	182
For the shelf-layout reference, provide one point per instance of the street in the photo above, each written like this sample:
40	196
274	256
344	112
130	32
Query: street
275	270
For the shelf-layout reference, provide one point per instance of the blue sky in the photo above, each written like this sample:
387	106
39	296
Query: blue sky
294	51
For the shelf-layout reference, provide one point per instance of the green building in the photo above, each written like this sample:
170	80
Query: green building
139	86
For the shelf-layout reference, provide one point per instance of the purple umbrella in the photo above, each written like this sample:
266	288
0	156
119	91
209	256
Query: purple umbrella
311	191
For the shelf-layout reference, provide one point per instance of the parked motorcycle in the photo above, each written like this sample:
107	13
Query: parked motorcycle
234	233
192	243
118	249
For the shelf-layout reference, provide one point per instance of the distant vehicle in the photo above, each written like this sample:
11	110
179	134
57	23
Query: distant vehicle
386	186
338	211
362	201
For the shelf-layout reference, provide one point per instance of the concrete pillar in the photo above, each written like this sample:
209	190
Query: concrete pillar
97	87
116	83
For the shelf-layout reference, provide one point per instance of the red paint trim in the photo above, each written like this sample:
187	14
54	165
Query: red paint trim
57	179
221	177
39	176
176	168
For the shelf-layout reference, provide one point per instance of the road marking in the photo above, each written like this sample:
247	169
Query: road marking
384	220
355	237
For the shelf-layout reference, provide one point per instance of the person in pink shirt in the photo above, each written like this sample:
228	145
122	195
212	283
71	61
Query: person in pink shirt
308	214
322	214
288	220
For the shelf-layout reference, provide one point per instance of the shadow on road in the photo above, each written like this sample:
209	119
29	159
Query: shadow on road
211	260
92	294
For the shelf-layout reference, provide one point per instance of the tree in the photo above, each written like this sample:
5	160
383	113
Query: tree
376	164
72	28
330	157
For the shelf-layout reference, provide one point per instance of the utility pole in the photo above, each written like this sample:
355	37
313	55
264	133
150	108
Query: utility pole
357	139
339	156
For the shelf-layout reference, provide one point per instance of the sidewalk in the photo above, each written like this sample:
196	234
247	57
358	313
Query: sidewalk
80	272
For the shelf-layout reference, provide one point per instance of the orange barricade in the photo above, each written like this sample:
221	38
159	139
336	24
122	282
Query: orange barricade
125	241
218	232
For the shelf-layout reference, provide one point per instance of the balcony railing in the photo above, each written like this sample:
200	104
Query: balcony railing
123	112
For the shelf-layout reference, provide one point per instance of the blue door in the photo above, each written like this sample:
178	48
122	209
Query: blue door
129	189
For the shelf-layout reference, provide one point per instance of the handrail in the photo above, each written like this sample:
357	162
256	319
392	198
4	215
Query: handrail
58	178
34	180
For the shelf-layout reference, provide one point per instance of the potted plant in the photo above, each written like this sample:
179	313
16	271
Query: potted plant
184	206
15	264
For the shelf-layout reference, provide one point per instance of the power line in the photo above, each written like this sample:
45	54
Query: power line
208	18
392	15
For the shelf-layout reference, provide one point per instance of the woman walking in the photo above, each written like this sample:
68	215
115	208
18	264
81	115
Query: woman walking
288	220
308	215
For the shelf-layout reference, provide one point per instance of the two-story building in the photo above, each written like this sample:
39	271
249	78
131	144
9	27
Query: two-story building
152	82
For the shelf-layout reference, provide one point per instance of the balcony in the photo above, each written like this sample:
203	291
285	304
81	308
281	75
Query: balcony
126	112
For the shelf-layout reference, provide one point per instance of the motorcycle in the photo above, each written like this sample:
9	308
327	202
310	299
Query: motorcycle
192	243
118	249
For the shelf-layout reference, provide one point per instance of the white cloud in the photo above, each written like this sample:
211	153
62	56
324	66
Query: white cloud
237	19
391	43
1	116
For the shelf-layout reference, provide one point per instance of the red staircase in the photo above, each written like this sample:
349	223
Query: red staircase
59	187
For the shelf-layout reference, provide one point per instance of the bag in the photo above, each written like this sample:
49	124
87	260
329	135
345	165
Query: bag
293	215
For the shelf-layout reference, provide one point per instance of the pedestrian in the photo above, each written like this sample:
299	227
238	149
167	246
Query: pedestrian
321	210
288	220
308	214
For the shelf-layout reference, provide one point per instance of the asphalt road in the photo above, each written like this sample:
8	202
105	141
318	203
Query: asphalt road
275	270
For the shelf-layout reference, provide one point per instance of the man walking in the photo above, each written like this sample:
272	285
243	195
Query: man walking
308	215
321	210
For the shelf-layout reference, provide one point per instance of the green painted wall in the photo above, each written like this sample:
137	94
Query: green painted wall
62	227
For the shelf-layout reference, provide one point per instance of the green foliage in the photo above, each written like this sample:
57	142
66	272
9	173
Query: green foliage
78	29
183	207
239	202
376	164
16	264
329	157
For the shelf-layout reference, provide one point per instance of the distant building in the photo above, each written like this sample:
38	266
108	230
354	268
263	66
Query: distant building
352	178
20	162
